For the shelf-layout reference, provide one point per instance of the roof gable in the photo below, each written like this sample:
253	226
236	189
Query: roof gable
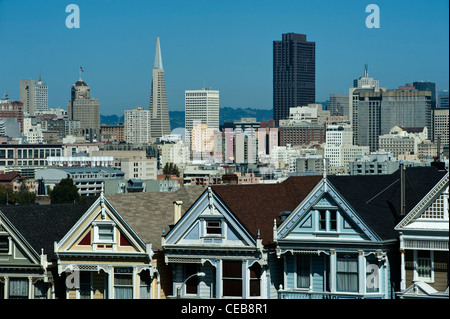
324	213
102	230
18	247
431	213
209	222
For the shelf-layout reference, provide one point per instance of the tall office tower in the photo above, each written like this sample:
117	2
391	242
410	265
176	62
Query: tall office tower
363	84
159	111
443	99
41	97
34	96
27	95
294	74
85	109
137	126
201	107
427	86
369	115
405	108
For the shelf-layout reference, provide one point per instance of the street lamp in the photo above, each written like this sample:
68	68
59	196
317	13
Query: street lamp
199	274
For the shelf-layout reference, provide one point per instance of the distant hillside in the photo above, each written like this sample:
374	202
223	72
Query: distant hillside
226	114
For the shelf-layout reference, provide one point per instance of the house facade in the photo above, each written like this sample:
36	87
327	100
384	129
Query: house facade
101	257
340	242
221	247
424	238
23	271
330	252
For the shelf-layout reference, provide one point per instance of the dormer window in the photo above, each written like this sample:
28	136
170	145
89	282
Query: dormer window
104	232
327	220
214	227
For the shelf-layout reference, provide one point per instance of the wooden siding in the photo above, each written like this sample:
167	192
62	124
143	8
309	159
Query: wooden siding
440	270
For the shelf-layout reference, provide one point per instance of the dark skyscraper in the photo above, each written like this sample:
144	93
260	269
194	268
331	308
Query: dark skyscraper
294	74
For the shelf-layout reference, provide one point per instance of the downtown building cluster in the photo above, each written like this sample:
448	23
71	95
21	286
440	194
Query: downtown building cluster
306	224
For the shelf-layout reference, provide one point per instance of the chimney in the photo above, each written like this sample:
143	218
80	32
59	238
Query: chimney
402	190
177	211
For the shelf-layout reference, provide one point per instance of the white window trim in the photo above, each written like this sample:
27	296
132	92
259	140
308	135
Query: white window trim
310	288
416	273
96	233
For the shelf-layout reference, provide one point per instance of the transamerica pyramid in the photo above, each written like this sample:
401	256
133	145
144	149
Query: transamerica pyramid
159	111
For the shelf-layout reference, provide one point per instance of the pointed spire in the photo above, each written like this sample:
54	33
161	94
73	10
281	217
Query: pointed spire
158	57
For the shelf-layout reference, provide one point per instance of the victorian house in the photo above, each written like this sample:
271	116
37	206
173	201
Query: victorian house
424	246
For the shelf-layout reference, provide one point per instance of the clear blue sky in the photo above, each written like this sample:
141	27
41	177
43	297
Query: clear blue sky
226	45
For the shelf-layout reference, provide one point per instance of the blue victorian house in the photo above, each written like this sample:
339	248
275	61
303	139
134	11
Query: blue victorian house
340	241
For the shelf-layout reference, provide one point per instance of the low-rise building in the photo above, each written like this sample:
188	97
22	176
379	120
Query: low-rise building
89	180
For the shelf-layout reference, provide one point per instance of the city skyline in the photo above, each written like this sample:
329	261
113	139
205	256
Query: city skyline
207	45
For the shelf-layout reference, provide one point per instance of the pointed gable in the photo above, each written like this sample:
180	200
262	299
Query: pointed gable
324	213
101	229
431	213
209	222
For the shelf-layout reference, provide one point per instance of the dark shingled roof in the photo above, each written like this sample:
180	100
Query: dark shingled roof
257	205
42	225
376	198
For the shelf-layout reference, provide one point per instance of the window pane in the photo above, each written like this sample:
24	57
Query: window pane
333	224
347	273
191	284
105	232
123	283
232	278
255	280
18	288
4	244
213	227
322	220
303	271
232	269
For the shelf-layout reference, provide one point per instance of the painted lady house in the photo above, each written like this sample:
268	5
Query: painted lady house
27	260
101	257
221	247
424	246
340	241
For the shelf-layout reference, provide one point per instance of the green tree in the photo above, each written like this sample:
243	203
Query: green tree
171	169
64	192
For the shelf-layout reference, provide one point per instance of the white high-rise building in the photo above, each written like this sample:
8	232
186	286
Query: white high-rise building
201	107
34	96
339	148
137	125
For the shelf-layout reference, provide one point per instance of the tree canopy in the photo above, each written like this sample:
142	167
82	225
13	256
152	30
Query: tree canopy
171	169
64	192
